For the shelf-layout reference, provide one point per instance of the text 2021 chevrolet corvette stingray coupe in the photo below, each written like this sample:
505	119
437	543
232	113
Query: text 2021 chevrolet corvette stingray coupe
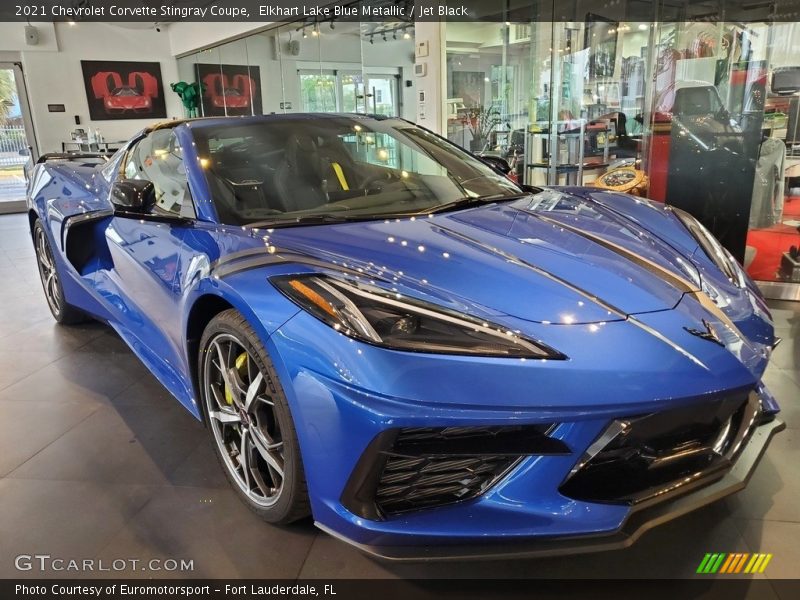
383	332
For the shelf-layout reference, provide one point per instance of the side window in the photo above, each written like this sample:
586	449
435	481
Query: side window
158	158
113	165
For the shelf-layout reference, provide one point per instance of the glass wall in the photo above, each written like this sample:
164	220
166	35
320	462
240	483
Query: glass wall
700	114
308	66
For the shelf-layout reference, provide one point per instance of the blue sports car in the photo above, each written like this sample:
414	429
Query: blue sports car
382	331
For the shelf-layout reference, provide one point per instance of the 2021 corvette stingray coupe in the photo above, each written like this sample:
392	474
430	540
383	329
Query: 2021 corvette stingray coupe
382	331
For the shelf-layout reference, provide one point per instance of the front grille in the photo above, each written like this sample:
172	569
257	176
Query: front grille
645	457
415	483
416	468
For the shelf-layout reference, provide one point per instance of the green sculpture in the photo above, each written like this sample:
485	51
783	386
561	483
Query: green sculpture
189	94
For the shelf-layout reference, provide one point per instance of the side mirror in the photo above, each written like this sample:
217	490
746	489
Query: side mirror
497	163
133	195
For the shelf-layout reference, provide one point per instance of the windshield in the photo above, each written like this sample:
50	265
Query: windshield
338	167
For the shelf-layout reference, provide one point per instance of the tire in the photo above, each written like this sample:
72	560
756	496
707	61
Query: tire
251	426
62	312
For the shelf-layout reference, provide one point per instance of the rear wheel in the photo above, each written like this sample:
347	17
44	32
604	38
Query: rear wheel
252	428
62	312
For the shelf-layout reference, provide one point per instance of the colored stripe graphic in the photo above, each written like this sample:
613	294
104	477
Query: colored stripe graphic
752	563
714	567
737	558
737	562
729	562
764	564
703	563
741	563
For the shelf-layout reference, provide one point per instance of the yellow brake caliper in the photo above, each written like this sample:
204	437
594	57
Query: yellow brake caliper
241	360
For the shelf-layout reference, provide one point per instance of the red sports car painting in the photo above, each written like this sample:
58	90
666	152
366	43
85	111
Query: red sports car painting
229	89
229	92
123	90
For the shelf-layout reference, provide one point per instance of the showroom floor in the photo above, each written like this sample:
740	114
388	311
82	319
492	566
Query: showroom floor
98	461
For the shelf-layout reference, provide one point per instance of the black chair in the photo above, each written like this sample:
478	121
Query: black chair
300	182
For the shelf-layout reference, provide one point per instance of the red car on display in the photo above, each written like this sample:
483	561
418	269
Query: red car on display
134	95
229	92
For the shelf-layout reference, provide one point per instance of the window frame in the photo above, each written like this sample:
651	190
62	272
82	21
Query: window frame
187	211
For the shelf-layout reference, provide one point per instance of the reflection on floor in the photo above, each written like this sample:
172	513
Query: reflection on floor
770	243
97	460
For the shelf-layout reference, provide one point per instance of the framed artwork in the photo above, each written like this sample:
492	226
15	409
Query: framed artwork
229	89
123	90
600	36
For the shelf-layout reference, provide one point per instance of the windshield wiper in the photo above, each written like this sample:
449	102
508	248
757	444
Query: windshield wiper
322	219
468	202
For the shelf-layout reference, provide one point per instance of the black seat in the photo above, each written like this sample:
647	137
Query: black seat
299	182
692	101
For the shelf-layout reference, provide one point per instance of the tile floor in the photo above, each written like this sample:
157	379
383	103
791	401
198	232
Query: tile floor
97	460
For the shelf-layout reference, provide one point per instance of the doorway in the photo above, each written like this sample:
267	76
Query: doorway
17	144
335	90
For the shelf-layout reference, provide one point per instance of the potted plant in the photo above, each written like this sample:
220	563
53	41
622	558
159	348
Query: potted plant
481	122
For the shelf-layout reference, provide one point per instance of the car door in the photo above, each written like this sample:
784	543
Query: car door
146	251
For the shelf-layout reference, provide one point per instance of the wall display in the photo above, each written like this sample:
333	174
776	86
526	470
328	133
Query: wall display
123	90
229	89
601	36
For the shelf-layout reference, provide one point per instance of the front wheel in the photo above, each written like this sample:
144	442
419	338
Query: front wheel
62	312
252	428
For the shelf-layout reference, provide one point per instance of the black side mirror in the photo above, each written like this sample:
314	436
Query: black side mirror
133	196
497	163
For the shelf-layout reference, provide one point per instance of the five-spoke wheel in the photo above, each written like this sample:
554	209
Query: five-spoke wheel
250	421
51	282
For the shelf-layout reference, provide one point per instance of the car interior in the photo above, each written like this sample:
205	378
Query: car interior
158	158
280	170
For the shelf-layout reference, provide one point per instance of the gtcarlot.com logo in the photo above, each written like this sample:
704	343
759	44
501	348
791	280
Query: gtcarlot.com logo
733	563
46	562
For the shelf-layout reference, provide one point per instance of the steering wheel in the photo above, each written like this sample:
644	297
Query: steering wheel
374	183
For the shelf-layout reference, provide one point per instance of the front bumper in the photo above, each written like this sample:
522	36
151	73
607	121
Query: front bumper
640	520
330	383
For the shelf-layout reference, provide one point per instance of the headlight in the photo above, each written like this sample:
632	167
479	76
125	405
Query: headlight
713	249
373	315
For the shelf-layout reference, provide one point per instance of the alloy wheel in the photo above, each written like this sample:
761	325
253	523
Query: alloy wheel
47	271
242	417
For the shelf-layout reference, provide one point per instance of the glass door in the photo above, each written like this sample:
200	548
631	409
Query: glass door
17	149
317	91
381	93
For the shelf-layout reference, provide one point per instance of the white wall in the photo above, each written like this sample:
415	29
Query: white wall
186	37
431	113
339	49
53	74
12	37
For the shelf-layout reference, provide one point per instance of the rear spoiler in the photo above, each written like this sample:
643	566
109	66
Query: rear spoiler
71	156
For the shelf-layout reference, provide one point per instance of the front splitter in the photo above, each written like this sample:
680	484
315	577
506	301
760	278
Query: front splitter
638	522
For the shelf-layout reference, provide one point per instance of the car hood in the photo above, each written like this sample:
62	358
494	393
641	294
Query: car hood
552	258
